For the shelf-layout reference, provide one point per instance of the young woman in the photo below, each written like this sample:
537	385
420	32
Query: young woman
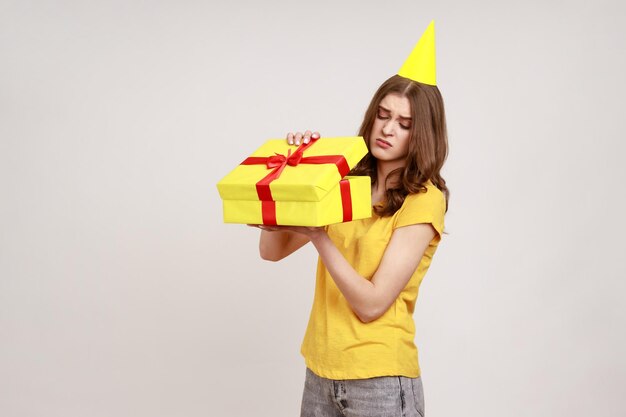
359	345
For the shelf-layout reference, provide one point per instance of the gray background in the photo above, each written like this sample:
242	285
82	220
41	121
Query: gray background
123	294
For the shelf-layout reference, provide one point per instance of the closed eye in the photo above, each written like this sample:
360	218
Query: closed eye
382	116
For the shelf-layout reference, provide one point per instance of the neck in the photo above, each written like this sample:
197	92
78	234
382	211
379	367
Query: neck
383	168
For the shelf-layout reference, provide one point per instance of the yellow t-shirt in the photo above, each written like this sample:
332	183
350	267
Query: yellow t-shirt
337	345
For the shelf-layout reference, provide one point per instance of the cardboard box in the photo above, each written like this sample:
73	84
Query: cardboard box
282	184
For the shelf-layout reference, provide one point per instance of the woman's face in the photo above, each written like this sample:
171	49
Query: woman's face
389	138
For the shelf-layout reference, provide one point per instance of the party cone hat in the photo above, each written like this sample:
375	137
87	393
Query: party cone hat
420	65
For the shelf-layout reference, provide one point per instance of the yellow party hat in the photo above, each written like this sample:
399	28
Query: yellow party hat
420	65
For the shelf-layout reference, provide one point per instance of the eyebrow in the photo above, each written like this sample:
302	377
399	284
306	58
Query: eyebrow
389	111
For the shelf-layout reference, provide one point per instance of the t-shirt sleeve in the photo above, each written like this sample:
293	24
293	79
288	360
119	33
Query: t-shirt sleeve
428	207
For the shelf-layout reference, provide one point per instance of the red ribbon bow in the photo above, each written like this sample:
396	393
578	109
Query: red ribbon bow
280	160
277	164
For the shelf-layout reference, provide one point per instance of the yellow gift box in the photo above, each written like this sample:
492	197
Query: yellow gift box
300	186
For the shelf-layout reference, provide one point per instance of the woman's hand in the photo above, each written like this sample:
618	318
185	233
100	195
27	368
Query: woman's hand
299	137
311	232
277	242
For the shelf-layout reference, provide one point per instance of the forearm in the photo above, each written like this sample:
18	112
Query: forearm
272	244
276	244
358	291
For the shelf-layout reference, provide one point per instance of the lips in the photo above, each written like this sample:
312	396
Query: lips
383	143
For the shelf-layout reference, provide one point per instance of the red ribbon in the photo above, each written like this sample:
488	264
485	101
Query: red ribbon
278	162
346	200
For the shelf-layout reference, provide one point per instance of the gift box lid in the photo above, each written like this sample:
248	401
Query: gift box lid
293	173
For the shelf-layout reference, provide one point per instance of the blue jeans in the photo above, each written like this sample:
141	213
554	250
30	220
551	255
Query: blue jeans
389	396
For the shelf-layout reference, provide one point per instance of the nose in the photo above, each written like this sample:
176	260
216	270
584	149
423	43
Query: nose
388	128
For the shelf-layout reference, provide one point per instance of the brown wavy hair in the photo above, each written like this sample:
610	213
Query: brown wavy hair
428	143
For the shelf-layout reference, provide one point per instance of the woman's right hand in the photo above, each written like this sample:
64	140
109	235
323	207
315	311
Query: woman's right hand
299	137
